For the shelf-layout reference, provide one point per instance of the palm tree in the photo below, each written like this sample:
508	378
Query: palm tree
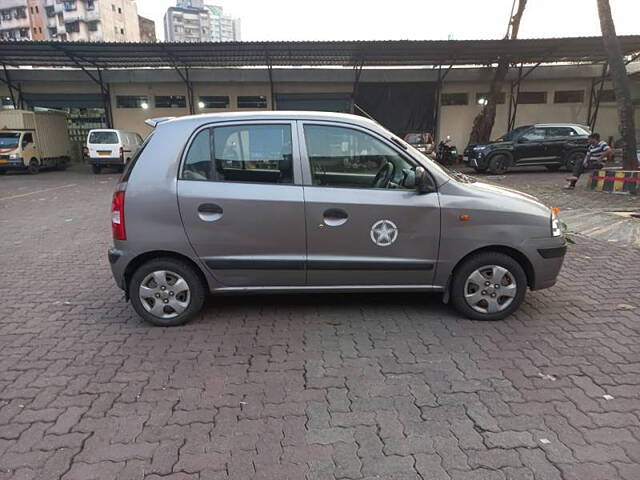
621	86
484	121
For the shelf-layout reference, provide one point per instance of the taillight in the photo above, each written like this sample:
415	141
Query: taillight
117	216
122	152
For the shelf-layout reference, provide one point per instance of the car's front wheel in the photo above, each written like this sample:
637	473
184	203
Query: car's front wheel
572	159
488	286
498	164
166	292
96	169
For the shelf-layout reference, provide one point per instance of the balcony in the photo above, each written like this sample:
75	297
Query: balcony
92	15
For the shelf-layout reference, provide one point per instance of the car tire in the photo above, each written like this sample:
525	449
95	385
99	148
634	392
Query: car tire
480	302
571	160
188	298
34	166
96	169
553	168
498	164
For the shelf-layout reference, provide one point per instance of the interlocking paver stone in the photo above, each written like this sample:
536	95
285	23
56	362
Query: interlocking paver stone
320	387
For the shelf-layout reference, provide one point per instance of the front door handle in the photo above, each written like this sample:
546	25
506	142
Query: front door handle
334	217
210	212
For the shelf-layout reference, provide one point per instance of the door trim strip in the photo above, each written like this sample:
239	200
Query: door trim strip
324	265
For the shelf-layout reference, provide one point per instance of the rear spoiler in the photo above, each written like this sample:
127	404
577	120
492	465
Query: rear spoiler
154	122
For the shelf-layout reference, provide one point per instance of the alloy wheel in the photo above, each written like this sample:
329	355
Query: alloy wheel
164	294
490	289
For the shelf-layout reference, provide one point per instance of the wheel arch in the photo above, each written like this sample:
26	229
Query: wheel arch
141	259
517	255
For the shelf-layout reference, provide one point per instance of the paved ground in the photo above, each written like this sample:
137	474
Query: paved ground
306	387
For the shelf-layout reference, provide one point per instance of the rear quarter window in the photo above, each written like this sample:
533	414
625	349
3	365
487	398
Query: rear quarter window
132	163
104	138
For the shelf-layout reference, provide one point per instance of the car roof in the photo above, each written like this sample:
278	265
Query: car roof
275	115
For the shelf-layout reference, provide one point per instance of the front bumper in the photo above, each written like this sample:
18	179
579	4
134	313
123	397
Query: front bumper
106	161
475	158
12	164
546	256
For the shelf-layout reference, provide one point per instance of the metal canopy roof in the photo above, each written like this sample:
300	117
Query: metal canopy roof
334	53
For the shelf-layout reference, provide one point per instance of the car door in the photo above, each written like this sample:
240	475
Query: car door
556	141
529	146
360	233
29	148
242	204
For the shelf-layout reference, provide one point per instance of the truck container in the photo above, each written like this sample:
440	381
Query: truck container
33	140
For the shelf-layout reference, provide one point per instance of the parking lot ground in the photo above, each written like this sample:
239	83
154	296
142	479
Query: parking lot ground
393	386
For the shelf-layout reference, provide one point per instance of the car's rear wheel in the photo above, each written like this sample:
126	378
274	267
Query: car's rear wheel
96	169
498	164
488	286
166	292
34	166
572	159
553	168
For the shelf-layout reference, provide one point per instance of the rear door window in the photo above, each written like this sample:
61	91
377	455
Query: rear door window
103	138
241	153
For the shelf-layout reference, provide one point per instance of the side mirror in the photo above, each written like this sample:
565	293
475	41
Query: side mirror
422	181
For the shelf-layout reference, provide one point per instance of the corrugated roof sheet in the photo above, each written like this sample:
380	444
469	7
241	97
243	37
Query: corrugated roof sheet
324	53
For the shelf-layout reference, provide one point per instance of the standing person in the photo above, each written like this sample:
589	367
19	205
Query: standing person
598	152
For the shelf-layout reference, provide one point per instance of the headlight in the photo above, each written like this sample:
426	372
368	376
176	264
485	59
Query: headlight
479	147
14	156
556	231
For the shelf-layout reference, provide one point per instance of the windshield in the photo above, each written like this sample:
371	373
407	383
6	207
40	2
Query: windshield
108	138
507	137
9	141
415	138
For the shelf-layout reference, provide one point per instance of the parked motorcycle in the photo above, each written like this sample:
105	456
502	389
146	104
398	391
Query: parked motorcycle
446	153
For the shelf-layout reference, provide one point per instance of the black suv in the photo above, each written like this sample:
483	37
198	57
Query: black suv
552	145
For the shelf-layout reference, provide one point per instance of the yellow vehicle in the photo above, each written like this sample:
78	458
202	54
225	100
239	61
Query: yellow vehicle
33	140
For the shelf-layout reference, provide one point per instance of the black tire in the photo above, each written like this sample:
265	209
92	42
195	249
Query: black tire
96	169
187	272
498	164
571	160
553	168
475	262
480	169
34	166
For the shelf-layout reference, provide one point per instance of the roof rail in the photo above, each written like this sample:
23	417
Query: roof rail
154	122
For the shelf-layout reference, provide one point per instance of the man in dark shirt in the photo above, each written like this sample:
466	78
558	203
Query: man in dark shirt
597	153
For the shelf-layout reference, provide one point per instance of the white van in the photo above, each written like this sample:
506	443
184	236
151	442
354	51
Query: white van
110	148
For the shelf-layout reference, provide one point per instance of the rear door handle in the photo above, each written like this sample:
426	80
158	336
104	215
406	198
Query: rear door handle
210	212
334	217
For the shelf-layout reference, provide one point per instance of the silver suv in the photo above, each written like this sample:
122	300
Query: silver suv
316	202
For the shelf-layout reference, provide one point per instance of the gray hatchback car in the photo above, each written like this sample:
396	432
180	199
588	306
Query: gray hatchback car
317	202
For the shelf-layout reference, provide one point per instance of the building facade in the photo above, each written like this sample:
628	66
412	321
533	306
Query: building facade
70	20
224	28
194	21
147	30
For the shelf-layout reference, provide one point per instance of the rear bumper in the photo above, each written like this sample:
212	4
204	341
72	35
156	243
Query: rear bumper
118	261
107	162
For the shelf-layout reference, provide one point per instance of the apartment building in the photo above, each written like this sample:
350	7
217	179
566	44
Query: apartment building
194	21
22	20
92	20
147	30
70	20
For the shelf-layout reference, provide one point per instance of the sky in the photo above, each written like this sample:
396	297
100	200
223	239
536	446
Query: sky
264	20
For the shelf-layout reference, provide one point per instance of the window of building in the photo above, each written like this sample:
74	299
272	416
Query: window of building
91	5
93	26
608	96
568	96
242	153
37	9
214	102
525	98
170	101
481	98
73	27
122	31
6	14
21	13
348	158
70	6
454	99
50	11
119	10
131	101
113	7
24	33
252	101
